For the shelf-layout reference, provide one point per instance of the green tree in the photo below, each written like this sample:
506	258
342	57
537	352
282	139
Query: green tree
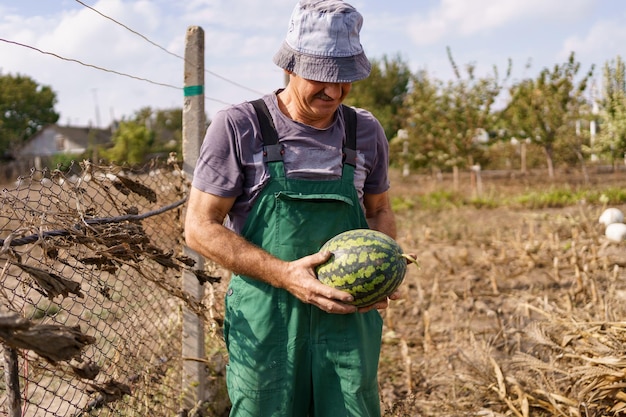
25	107
168	127
383	92
470	114
147	133
547	108
131	143
424	125
446	123
611	139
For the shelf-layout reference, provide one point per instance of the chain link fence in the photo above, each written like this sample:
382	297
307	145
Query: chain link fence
90	312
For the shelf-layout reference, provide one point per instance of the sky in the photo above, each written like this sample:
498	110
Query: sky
107	59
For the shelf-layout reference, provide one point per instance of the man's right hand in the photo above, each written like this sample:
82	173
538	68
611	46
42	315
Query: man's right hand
301	280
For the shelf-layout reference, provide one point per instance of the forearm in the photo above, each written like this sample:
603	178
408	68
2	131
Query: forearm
384	221
235	253
379	214
206	234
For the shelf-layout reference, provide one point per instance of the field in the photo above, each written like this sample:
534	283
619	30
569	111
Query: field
518	306
516	309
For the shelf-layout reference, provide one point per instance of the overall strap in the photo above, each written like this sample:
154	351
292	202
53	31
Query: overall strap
349	120
273	151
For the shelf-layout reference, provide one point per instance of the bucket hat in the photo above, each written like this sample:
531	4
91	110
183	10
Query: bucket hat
322	43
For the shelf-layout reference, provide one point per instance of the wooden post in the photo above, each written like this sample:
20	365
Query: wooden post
11	381
477	182
403	135
194	375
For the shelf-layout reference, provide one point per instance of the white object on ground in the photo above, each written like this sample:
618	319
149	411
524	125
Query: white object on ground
611	215
616	232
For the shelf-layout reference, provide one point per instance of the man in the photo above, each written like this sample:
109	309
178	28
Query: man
274	180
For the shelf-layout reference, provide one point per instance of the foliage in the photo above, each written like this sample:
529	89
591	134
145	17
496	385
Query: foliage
25	107
535	198
168	129
547	108
447	124
383	92
131	142
611	139
64	161
148	133
431	124
424	124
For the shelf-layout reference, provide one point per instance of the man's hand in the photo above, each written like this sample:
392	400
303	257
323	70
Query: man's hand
381	305
301	281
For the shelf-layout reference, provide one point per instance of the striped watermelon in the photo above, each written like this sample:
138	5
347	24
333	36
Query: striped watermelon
366	263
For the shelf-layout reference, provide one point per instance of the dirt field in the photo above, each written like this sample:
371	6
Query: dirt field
513	312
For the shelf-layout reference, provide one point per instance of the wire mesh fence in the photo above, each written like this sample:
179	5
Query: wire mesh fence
90	314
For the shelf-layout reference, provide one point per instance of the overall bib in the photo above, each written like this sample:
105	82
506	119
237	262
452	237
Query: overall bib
288	358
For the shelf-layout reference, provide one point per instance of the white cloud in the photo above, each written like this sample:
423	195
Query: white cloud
605	40
454	18
241	37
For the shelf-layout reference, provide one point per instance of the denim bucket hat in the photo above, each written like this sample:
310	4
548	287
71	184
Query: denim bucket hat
322	43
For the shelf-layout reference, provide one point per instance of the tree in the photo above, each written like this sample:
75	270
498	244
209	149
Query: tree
470	111
611	139
383	92
148	132
425	124
547	108
25	107
168	129
447	122
131	143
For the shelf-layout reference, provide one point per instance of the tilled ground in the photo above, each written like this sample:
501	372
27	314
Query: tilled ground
512	312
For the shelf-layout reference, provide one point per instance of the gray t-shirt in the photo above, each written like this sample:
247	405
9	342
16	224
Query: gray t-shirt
231	164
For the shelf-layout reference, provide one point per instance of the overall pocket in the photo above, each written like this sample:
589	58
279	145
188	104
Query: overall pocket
307	221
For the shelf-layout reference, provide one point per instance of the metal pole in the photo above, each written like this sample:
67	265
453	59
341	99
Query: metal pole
194	375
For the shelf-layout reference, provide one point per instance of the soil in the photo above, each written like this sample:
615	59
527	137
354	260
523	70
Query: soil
511	311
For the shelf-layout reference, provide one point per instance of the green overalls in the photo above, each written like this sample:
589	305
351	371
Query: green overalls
288	358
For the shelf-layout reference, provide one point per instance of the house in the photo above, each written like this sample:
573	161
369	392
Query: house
54	140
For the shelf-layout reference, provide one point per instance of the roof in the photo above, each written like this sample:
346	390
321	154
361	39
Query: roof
55	139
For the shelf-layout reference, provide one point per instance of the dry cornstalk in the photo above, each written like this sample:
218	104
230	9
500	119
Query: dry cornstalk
404	351
427	344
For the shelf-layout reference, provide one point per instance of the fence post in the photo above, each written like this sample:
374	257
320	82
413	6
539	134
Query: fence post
194	373
11	381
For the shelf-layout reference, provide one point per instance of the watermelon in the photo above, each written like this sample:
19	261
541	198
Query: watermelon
366	263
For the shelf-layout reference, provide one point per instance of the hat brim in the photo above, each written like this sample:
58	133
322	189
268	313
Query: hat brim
323	69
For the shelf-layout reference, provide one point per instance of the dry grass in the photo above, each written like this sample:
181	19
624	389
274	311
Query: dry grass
512	313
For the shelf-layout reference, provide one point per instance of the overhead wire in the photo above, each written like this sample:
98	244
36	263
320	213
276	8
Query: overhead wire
165	49
88	65
102	68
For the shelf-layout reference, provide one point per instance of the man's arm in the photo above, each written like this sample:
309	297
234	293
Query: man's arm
379	214
206	234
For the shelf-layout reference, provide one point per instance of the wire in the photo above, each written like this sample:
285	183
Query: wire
105	69
129	29
89	65
165	50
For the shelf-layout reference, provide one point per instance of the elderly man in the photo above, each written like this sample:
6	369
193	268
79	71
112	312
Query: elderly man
275	179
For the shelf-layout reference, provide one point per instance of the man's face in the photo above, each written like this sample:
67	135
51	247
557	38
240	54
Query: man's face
318	100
